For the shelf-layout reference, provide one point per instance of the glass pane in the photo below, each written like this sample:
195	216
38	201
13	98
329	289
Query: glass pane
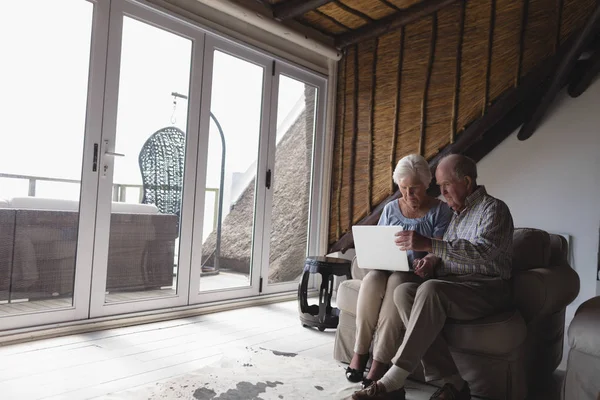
45	47
236	106
148	178
292	177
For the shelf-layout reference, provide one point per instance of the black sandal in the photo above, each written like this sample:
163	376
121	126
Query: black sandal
354	375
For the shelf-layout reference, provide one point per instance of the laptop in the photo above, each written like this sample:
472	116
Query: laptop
376	248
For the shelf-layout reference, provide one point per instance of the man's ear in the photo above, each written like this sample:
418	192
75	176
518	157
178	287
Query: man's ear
469	182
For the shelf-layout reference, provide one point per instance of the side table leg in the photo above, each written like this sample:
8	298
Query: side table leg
303	293
329	294
323	297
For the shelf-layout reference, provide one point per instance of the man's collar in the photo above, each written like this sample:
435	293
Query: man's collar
475	196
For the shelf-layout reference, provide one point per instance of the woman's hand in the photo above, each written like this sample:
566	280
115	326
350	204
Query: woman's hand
424	267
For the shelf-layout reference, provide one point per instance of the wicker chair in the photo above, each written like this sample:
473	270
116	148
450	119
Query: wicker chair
161	165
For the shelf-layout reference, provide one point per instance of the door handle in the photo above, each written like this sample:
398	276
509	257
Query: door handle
105	163
111	153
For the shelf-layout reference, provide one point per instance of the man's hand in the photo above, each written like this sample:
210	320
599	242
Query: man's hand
411	240
424	267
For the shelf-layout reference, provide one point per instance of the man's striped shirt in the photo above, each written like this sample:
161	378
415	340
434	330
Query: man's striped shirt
478	239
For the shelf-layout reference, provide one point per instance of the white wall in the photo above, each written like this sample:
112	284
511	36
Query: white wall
552	180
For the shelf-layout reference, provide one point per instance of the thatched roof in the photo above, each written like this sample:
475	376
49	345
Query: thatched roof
434	76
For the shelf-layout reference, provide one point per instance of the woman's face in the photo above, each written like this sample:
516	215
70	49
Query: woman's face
413	191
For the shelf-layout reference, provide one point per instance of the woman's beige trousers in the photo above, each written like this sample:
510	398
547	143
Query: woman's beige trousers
377	317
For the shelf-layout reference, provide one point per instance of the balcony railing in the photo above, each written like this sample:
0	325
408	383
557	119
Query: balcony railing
119	190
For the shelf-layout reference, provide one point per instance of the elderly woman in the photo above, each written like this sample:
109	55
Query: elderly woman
377	318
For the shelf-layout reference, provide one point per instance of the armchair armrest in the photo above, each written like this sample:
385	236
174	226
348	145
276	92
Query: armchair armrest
357	272
541	292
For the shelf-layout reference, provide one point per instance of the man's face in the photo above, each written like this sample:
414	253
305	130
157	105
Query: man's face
454	190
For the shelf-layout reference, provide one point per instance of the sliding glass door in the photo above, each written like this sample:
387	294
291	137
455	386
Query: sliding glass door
295	157
231	172
52	80
263	122
147	161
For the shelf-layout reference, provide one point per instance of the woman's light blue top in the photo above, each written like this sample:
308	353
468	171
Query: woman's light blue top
433	224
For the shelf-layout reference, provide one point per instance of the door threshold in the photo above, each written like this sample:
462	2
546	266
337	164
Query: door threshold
28	334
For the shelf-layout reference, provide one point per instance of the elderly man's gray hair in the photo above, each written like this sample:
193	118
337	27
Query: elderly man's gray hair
412	165
464	166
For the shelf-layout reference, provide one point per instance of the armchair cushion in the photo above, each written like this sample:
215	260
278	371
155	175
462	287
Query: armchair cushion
531	249
132	208
41	203
497	334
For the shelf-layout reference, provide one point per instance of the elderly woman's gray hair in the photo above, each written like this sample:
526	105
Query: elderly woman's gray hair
412	165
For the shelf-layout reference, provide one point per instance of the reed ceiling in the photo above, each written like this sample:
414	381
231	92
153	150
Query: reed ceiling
435	76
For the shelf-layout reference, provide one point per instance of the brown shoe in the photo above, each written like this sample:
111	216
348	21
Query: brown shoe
449	392
376	391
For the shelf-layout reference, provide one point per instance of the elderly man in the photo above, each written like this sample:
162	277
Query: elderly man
468	269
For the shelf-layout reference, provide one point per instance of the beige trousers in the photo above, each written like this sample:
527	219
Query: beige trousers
425	307
377	318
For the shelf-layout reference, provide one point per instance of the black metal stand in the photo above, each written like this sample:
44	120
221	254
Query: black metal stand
321	316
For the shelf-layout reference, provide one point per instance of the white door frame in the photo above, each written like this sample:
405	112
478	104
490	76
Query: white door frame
95	198
143	13
317	168
88	190
213	43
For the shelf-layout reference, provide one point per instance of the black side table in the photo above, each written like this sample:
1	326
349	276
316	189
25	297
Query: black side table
322	316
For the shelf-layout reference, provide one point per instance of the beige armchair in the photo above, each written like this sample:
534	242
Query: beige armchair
582	378
503	355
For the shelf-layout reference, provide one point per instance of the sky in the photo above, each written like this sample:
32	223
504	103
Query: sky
43	94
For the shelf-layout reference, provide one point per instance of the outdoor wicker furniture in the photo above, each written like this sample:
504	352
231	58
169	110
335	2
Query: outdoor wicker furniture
39	242
161	163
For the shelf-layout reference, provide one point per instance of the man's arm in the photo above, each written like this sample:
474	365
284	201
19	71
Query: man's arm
495	229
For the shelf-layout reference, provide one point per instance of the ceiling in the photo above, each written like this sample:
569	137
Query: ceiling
350	21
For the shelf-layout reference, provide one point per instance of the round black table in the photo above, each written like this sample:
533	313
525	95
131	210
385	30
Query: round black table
322	315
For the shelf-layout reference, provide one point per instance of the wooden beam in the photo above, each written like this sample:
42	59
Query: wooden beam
432	43
294	8
397	106
353	143
354	11
559	20
488	69
564	69
499	110
504	128
265	4
390	5
585	76
341	138
372	126
523	29
391	22
332	20
457	72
